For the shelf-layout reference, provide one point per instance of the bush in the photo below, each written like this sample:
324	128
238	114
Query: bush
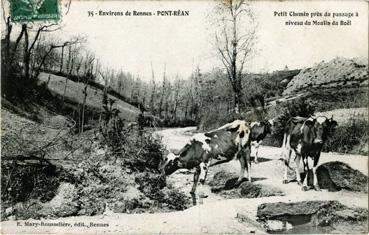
164	195
20	182
351	137
328	99
216	115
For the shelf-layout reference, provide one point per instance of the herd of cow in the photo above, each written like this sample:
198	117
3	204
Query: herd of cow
303	136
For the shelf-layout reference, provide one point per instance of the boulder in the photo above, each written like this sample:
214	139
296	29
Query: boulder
224	183
282	210
63	204
250	190
301	217
222	180
336	175
58	121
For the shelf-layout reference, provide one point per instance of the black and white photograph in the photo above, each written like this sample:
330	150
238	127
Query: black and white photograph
184	117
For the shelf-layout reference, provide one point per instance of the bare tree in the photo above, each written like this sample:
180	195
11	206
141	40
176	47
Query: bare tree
153	92
88	76
177	87
162	93
61	60
52	46
235	37
28	47
167	97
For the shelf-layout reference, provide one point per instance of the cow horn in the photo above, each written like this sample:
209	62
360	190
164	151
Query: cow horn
332	117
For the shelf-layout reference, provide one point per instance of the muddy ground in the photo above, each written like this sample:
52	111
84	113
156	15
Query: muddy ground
214	214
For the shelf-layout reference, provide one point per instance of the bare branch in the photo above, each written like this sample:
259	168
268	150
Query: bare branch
68	6
41	29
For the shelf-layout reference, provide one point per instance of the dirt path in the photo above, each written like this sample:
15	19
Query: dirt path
215	214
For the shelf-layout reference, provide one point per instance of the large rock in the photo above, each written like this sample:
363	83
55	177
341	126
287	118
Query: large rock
305	216
335	73
336	175
224	183
222	180
63	204
58	121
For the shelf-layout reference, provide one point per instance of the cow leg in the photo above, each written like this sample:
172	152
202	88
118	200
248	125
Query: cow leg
297	168
204	168
257	145
203	172
242	160
195	180
248	163
306	164
315	164
287	155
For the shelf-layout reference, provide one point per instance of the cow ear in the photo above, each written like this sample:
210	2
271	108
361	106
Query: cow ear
177	162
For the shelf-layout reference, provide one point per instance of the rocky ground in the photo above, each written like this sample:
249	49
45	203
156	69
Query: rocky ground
337	73
220	213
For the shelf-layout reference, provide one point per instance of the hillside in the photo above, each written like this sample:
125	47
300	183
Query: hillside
337	73
74	92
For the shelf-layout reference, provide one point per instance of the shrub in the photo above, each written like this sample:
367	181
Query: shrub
216	115
349	137
20	182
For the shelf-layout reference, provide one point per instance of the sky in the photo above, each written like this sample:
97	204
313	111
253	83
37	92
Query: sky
180	43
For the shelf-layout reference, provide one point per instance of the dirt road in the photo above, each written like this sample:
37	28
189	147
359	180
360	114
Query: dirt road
215	214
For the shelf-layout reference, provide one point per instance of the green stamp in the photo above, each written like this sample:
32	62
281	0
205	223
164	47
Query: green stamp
34	10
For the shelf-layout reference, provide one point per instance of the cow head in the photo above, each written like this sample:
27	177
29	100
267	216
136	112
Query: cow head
269	126
321	126
169	164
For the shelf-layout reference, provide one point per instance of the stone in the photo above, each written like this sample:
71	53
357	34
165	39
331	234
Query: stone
336	176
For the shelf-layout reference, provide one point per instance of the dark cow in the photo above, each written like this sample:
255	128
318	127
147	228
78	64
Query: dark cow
306	136
259	130
212	148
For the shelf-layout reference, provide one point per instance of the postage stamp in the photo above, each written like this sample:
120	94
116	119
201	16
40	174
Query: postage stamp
34	10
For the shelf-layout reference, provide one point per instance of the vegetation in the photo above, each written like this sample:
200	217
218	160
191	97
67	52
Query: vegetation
80	155
351	137
65	156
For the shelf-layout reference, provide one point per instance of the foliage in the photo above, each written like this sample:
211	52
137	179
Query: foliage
30	181
350	137
329	99
154	188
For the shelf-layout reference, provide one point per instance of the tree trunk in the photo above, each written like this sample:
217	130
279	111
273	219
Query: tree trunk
186	108
237	101
48	80
235	79
24	27
152	107
5	66
83	107
26	54
65	89
7	39
62	60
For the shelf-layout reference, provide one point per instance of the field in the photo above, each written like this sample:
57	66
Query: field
74	92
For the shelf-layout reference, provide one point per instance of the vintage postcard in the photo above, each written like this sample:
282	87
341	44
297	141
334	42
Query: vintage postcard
184	117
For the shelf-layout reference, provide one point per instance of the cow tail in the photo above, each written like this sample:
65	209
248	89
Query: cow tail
284	140
284	150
